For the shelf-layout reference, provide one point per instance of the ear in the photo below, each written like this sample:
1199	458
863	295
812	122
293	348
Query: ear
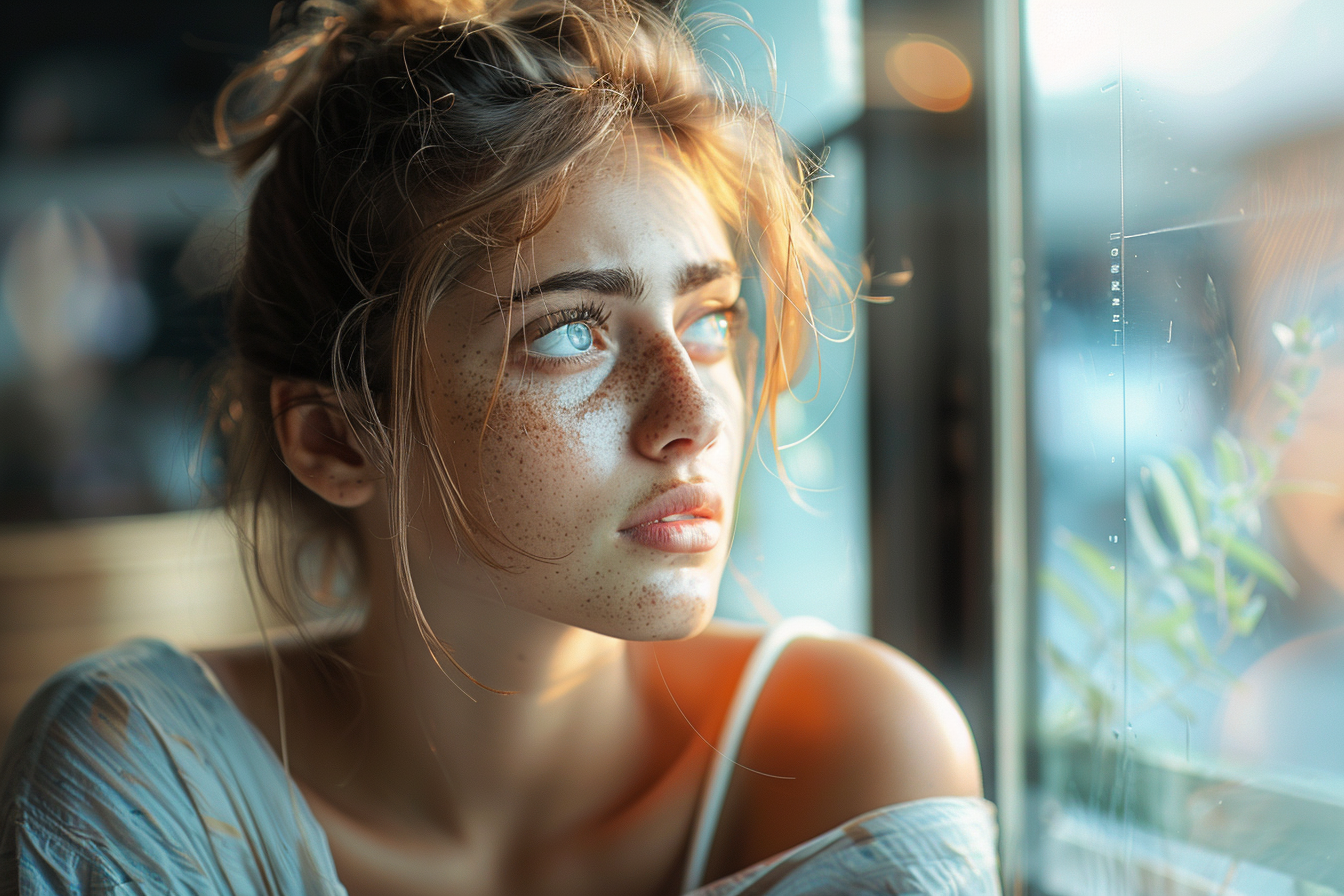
318	444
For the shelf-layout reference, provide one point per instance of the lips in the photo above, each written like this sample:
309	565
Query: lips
683	519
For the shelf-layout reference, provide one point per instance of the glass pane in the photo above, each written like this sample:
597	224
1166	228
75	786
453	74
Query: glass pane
1186	208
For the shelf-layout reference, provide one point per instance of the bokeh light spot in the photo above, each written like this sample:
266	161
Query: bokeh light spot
929	73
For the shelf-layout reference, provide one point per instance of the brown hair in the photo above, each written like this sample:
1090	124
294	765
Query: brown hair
401	145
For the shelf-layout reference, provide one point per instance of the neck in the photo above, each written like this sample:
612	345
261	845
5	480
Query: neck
455	755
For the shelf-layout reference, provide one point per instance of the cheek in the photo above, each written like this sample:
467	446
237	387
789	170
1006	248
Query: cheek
543	464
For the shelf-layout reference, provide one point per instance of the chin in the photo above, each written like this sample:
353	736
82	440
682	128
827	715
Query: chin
686	624
653	614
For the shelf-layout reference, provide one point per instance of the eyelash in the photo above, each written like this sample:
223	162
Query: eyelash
596	315
588	312
737	314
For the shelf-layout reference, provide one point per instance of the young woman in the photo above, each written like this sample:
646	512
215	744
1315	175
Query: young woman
490	378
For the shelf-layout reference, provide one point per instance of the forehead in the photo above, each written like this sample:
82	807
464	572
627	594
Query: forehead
636	207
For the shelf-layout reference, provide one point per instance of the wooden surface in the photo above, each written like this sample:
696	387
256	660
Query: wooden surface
70	589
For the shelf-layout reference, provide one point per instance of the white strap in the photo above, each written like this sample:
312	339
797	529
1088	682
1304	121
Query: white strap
758	668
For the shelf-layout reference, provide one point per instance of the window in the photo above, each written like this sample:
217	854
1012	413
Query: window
1184	208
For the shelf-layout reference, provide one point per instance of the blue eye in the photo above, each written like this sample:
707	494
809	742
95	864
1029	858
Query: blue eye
565	341
708	333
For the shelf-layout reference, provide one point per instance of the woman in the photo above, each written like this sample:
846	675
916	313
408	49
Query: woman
490	346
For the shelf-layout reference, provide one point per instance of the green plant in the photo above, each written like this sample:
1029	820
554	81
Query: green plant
1194	571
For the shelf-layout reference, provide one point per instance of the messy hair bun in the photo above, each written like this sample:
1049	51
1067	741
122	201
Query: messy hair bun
310	39
402	142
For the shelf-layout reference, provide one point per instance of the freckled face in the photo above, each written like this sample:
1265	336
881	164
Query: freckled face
619	401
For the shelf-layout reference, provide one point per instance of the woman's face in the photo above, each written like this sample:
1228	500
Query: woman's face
613	446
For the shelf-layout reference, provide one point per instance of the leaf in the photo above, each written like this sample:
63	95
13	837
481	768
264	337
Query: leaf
1220	577
1159	685
1245	621
1174	590
1290	398
1099	705
1231	500
1257	560
1238	592
1302	335
1197	485
1229	457
1250	519
1304	380
1164	625
1069	598
1198	574
1093	562
1143	530
1264	467
1188	657
1176	506
1189	639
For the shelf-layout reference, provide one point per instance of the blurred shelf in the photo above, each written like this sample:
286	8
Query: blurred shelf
162	189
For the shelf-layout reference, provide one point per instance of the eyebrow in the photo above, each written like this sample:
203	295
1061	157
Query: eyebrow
622	281
694	276
607	282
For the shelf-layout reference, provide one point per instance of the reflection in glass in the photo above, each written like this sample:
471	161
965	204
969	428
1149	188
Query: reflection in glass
1186	201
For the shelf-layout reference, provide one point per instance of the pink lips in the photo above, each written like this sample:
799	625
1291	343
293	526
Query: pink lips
695	509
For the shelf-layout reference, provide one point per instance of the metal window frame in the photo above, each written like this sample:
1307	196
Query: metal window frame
1008	359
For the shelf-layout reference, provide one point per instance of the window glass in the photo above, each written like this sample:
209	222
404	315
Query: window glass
1185	207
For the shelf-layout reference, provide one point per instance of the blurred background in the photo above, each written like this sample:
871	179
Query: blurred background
115	247
1085	464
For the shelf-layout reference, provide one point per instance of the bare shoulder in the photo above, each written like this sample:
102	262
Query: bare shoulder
864	710
844	726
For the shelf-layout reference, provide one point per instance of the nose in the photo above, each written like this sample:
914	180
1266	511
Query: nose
677	417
